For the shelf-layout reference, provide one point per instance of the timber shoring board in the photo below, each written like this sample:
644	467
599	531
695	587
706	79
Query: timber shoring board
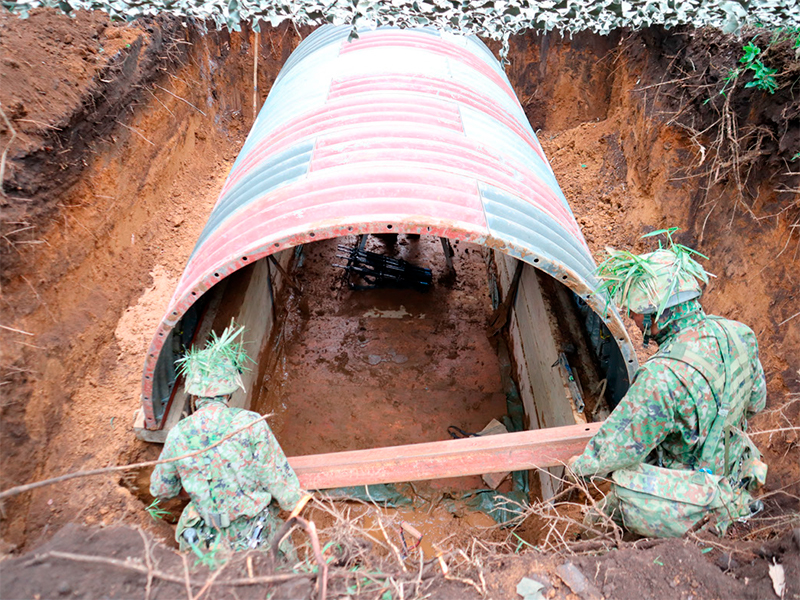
539	448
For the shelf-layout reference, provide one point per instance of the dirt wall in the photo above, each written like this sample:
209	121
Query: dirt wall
109	239
629	165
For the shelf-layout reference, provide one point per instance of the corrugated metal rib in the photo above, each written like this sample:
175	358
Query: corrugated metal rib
417	130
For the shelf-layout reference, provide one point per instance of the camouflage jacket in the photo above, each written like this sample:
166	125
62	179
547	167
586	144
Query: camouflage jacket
239	477
670	405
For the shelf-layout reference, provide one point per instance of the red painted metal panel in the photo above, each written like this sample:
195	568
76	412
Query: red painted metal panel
337	194
461	161
433	45
440	88
347	114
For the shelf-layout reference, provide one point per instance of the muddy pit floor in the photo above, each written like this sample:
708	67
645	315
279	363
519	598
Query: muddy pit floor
364	369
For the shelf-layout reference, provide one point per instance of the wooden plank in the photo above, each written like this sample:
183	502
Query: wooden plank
516	451
255	314
534	348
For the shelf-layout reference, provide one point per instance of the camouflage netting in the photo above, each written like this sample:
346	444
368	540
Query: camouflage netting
495	19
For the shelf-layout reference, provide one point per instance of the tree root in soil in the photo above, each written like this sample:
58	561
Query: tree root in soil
728	124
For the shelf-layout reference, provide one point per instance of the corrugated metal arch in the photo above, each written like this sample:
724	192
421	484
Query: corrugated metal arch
408	131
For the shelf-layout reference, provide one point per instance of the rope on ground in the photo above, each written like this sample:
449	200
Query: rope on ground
150	463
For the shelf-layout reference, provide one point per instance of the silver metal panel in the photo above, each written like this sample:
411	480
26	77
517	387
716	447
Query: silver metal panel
279	170
514	219
490	133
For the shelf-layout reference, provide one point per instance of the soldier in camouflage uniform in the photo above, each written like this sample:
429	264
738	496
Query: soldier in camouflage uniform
232	485
676	446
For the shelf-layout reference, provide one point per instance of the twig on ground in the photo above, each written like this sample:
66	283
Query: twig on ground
418	580
151	463
351	529
670	82
181	99
781	523
311	530
481	589
395	551
186	580
249	563
797	314
136	131
39	298
149	562
608	532
210	581
113	562
779	430
29	346
45	125
160	102
16	330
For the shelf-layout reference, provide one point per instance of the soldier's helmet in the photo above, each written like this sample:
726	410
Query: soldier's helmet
215	370
650	283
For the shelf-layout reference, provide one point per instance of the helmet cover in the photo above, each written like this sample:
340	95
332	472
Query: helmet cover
653	282
216	370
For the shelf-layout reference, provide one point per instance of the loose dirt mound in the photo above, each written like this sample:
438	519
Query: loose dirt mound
120	562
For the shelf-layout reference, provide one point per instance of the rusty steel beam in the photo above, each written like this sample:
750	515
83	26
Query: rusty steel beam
539	448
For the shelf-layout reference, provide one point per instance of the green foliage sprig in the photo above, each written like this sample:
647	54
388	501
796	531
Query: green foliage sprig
763	76
623	270
155	511
219	350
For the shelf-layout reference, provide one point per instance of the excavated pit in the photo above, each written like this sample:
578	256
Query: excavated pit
344	368
363	369
93	276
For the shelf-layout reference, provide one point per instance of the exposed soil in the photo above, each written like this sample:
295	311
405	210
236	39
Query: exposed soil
662	569
624	171
119	158
108	249
371	368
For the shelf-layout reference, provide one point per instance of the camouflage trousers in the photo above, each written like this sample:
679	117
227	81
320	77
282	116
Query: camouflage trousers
657	502
237	535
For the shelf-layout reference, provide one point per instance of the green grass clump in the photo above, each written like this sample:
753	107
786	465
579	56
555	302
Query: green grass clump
623	271
155	511
222	349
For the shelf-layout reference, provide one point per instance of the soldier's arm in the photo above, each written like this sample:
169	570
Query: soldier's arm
274	471
165	482
641	421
